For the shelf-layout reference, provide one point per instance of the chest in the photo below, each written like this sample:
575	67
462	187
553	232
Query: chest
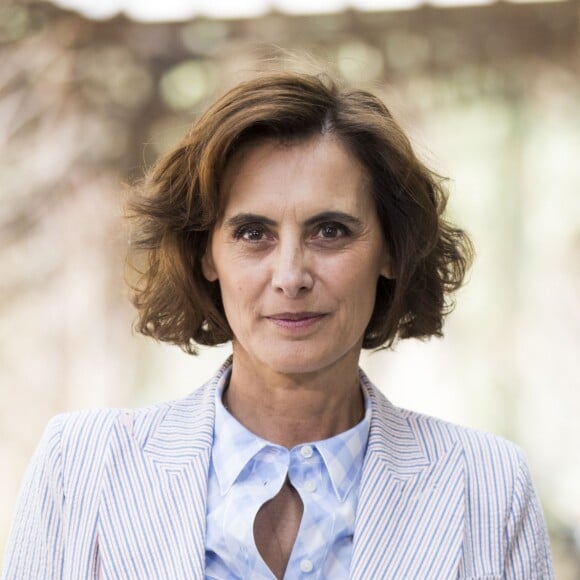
289	521
276	526
157	519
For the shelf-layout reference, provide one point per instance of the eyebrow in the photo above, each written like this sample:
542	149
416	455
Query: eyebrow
241	219
327	216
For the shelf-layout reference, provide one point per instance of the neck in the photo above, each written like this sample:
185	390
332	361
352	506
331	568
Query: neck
292	409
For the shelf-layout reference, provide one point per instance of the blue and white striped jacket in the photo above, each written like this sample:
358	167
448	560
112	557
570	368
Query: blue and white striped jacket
121	495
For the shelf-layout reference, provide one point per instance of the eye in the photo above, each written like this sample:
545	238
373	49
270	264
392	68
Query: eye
332	230
250	233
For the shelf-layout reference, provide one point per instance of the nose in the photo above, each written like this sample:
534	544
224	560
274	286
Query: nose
291	273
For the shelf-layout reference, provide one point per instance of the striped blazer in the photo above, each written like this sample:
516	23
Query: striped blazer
121	495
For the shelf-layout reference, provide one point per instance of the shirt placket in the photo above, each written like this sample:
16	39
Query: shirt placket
305	474
272	466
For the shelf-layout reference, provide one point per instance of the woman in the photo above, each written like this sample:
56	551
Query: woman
294	220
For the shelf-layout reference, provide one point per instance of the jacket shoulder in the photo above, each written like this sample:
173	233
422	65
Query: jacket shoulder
89	432
503	512
482	451
493	471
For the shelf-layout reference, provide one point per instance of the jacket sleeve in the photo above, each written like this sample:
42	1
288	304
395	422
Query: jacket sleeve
527	550
35	544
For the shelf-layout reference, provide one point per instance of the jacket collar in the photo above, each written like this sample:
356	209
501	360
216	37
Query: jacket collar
391	438
184	428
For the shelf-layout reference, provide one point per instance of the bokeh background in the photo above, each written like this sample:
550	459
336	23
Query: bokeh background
490	95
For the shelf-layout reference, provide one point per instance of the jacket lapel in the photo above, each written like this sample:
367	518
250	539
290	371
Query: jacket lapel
411	505
178	451
179	454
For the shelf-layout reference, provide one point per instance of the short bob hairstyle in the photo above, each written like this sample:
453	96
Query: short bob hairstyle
179	202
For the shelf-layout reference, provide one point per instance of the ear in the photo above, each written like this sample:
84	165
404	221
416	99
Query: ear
207	266
387	266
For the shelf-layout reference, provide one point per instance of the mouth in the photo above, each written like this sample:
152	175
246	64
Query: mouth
296	319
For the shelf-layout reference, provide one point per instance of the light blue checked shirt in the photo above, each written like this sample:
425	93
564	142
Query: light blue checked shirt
246	471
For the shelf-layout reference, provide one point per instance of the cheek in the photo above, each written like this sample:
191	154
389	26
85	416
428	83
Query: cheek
358	273
239	296
359	287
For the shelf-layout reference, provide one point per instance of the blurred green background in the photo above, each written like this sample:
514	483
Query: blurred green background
490	95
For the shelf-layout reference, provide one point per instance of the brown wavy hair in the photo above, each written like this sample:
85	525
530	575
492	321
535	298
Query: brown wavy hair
177	204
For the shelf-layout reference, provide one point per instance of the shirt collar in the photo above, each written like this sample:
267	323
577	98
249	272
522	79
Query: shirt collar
344	453
234	446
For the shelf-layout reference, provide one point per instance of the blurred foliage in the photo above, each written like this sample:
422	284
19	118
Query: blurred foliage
86	106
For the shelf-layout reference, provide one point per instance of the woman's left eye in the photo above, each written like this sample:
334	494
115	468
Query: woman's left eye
332	231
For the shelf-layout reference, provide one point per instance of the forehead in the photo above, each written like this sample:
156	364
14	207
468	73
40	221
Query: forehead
311	175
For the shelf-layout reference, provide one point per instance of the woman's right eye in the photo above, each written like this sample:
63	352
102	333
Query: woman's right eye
251	233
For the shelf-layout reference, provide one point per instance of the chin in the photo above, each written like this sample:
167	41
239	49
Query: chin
299	361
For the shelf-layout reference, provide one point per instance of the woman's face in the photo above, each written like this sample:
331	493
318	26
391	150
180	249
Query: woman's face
297	254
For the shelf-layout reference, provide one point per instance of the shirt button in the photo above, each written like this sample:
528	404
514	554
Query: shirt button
310	486
306	452
306	566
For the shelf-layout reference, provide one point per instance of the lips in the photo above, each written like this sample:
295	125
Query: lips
296	319
295	315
